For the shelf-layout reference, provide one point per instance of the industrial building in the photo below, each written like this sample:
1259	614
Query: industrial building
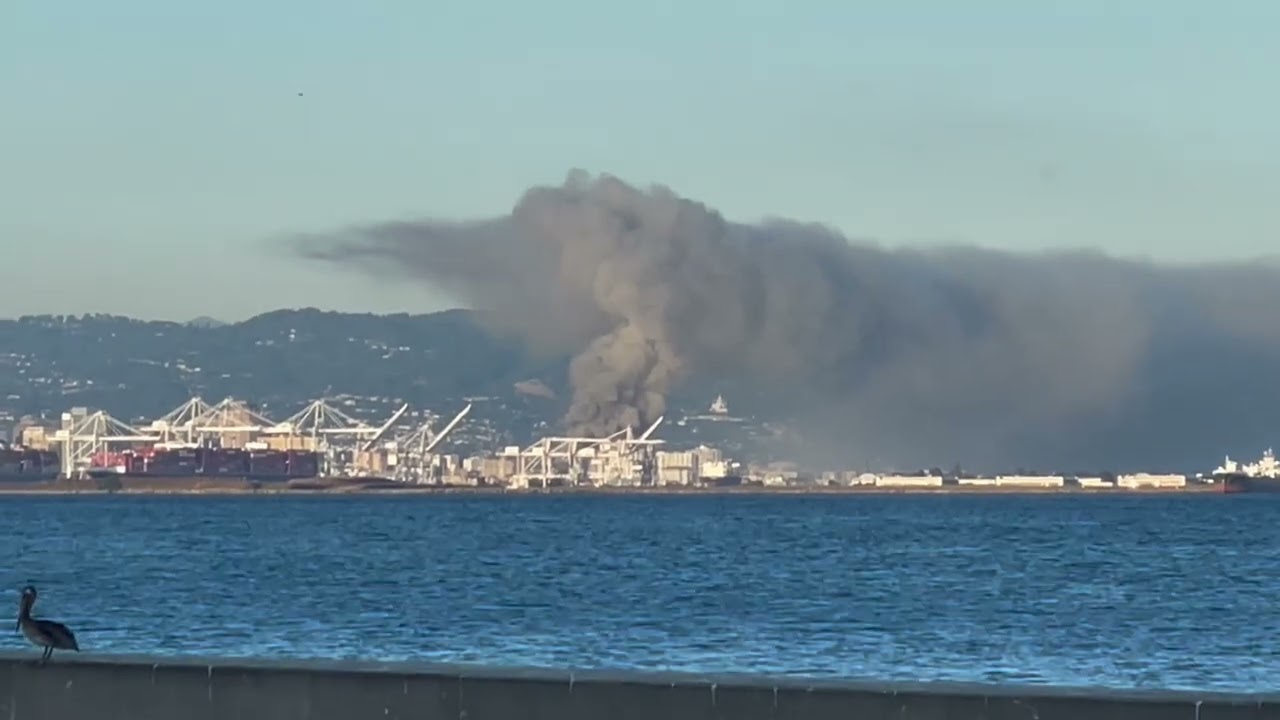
1145	480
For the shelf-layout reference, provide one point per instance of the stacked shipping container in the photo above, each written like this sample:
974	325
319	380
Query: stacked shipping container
26	464
211	462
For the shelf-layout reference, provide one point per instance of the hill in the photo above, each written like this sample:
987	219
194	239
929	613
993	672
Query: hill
277	362
369	365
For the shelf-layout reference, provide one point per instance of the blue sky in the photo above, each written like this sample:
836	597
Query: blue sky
149	149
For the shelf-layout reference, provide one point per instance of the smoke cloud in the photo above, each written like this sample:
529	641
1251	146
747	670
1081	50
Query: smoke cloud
910	356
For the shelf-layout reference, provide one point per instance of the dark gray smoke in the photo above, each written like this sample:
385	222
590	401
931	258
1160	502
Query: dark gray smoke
929	355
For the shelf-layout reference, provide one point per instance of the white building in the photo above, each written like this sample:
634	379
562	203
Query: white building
1145	480
908	481
1031	481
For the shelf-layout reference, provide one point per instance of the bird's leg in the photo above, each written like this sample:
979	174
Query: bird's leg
44	658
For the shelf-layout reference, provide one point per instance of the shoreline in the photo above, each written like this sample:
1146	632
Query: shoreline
355	490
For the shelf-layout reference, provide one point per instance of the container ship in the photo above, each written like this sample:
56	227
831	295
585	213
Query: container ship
1262	476
207	462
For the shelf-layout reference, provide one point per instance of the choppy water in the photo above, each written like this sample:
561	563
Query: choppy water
1118	591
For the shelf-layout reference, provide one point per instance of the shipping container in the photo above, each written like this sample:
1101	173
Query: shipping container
27	464
49	461
180	463
266	464
135	464
215	461
106	459
303	464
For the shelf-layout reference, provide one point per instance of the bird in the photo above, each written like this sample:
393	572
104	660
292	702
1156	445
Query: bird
46	633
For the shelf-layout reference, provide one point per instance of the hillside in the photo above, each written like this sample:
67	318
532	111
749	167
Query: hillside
277	362
368	365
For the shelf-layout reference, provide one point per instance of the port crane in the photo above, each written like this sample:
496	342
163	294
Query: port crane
415	461
85	437
346	446
340	438
622	457
178	426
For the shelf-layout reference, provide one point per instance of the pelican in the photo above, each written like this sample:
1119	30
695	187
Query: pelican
46	633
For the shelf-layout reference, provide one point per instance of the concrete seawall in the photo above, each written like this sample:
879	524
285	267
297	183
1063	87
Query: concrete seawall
72	687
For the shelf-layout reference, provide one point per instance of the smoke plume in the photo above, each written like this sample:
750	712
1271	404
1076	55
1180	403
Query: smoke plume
924	355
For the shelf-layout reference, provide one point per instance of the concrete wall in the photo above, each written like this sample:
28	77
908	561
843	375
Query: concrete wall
73	687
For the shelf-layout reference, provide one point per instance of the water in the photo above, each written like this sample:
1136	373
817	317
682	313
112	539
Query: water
1175	592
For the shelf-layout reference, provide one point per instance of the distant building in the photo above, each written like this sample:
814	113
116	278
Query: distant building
1030	481
1144	480
906	481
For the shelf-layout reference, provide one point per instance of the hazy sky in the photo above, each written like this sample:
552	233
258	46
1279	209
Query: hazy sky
150	149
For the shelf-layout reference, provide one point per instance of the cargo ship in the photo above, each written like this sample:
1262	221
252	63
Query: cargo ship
1262	476
207	462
